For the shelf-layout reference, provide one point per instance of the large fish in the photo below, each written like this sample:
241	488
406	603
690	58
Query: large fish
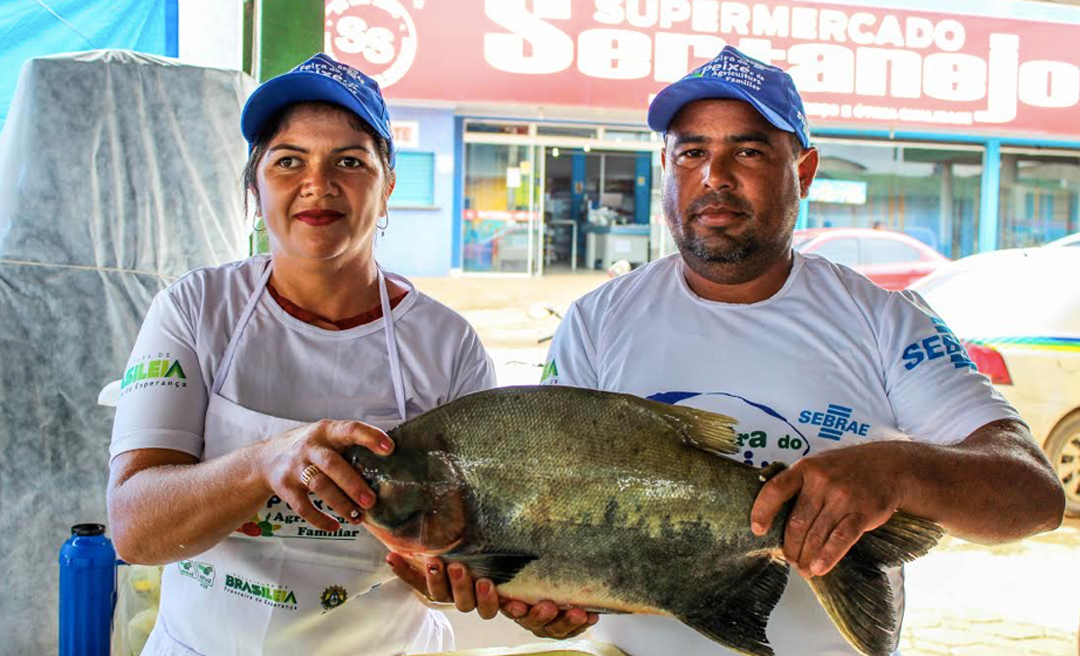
616	503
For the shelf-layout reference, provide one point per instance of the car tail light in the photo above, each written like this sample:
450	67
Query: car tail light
989	361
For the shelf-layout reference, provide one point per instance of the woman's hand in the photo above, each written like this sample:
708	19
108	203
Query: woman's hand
546	620
308	459
454	584
449	584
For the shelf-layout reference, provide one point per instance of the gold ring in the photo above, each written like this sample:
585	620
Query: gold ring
310	472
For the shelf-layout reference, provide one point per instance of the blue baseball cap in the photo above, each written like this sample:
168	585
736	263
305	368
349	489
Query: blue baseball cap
319	78
732	74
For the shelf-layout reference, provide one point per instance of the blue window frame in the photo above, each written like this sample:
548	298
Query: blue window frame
415	186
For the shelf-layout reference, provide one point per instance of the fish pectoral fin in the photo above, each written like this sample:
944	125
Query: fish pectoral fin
499	567
857	594
704	430
736	615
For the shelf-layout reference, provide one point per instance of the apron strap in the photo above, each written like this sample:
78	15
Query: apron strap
391	347
396	375
249	309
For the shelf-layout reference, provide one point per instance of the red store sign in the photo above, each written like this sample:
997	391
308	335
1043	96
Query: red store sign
853	65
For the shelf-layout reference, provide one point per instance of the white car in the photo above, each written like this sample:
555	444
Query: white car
1068	240
1018	313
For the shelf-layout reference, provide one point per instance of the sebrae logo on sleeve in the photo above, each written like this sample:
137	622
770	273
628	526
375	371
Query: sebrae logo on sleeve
944	344
550	375
157	370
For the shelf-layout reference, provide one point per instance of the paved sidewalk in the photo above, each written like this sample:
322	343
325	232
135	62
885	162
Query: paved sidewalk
971	600
973	634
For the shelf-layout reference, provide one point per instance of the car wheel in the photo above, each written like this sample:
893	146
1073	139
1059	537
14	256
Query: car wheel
1063	448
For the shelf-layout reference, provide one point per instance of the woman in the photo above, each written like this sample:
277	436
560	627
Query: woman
248	380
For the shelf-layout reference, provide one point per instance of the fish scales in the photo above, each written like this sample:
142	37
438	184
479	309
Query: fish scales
526	507
609	501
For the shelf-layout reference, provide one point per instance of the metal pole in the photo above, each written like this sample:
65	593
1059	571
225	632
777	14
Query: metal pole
542	175
573	247
988	206
532	206
603	173
947	216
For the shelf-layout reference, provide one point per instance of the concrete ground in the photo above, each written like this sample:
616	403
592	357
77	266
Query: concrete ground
511	316
963	599
971	600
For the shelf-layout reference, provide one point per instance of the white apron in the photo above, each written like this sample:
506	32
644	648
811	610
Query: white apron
278	586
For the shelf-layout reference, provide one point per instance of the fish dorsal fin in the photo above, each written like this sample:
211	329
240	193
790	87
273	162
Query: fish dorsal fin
704	430
499	567
736	616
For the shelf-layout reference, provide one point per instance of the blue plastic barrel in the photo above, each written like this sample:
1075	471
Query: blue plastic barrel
87	591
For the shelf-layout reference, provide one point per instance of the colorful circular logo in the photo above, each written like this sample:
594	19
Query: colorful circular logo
376	36
333	597
764	435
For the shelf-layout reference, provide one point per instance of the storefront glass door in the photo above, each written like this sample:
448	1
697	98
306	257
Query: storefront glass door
597	207
502	217
546	198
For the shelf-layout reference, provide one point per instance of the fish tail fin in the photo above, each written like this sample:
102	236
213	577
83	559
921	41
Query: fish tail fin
857	594
737	614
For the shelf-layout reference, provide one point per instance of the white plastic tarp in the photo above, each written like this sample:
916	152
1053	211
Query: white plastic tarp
119	172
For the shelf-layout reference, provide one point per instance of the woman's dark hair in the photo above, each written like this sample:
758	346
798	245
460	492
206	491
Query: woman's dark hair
272	125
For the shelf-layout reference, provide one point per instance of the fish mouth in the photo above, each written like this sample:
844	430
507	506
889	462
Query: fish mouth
422	505
434	530
412	550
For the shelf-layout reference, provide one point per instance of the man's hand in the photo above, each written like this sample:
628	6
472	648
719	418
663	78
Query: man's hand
449	584
841	494
994	486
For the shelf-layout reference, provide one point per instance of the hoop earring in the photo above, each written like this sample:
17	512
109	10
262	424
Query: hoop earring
386	224
258	222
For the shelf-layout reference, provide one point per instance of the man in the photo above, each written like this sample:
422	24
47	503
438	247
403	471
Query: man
808	355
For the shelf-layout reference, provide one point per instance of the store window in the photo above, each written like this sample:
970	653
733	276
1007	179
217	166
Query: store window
618	192
1039	198
496	128
561	198
500	222
930	193
630	135
414	185
566	131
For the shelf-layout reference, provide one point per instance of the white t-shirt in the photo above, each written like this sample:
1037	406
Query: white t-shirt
829	361
283	367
